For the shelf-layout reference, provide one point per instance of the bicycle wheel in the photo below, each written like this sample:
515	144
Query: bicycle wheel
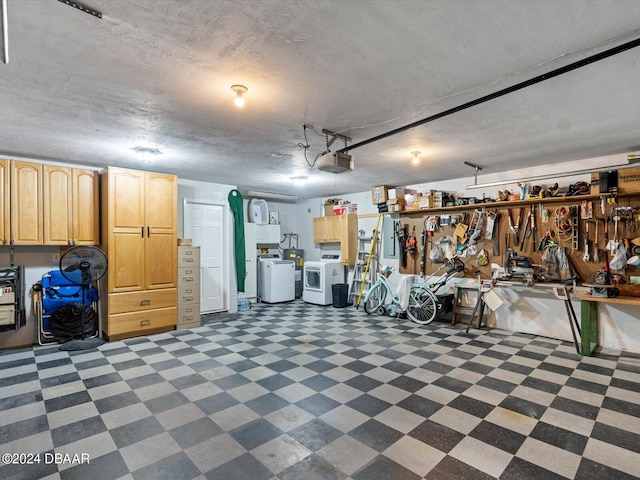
374	298
422	305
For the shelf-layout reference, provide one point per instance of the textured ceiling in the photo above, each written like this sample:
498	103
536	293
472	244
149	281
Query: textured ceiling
158	73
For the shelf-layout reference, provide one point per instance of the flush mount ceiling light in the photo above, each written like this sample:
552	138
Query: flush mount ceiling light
416	157
239	89
146	154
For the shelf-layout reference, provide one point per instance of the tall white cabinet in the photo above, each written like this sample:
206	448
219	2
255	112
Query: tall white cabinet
251	261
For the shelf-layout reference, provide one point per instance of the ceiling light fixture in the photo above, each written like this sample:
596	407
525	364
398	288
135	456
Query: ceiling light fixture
272	195
416	157
239	89
146	154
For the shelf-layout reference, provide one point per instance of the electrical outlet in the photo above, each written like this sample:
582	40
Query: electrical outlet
56	258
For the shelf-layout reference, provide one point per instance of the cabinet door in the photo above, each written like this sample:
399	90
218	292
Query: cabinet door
161	204
273	233
348	239
85	207
26	203
333	228
125	227
318	230
5	225
57	218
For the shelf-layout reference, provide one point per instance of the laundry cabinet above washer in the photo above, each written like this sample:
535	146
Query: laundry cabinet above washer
342	229
267	234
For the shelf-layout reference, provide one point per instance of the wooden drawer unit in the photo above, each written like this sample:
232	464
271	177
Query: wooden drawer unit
138	301
139	323
188	257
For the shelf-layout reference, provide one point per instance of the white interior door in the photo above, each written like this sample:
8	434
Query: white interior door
204	224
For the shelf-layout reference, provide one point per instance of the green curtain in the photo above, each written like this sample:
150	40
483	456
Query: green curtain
235	202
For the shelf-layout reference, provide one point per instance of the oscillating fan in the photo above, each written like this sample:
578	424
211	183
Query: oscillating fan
83	265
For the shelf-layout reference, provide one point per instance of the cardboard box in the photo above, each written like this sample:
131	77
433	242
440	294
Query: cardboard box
328	209
400	192
7	296
426	201
438	199
345	208
7	315
629	180
396	204
380	194
185	242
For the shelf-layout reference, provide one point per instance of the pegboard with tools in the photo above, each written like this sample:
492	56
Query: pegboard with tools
592	228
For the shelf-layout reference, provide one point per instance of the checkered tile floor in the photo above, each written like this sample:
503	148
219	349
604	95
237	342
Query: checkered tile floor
299	391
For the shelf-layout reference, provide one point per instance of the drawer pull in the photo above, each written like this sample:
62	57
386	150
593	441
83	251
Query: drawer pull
187	279
145	301
145	322
188	259
188	317
187	298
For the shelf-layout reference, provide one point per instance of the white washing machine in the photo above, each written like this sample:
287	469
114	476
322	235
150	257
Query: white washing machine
276	279
319	277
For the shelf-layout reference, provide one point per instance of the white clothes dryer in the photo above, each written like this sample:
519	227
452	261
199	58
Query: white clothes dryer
319	276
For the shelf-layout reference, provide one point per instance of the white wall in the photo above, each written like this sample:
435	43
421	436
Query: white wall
216	194
534	312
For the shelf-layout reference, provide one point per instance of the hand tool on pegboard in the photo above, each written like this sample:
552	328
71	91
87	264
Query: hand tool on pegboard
526	231
534	243
587	256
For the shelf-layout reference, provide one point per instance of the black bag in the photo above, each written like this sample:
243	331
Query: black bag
66	322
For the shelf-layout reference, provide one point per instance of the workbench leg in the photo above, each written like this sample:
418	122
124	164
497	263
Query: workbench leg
589	322
573	323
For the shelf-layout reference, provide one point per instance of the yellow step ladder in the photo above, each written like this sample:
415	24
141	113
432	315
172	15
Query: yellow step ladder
363	275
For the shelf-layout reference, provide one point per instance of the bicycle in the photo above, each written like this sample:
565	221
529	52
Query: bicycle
420	309
425	291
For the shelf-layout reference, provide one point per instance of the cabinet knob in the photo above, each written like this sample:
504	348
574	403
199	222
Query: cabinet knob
145	301
145	322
